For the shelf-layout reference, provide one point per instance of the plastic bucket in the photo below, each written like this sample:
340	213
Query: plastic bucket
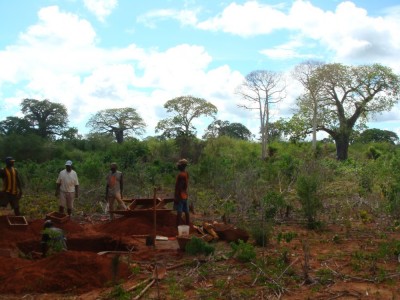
183	230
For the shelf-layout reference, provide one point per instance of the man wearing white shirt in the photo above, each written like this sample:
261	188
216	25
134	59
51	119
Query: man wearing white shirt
67	188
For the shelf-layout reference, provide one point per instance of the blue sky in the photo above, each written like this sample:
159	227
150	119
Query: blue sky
98	54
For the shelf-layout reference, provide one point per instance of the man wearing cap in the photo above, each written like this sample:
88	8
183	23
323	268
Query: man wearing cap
67	188
114	188
11	191
181	194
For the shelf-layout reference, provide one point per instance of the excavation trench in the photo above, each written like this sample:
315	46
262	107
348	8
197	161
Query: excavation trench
89	244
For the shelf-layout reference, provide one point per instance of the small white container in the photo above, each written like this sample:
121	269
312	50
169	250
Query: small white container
183	230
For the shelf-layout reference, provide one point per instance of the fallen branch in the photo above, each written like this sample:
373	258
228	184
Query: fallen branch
144	290
271	280
139	284
255	279
284	271
178	265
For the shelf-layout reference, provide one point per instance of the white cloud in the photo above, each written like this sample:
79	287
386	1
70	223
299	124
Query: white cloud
348	32
249	19
287	51
185	17
101	8
49	62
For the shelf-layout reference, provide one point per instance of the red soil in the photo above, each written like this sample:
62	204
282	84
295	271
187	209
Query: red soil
80	269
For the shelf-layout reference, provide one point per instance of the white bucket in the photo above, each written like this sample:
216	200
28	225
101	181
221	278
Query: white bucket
183	230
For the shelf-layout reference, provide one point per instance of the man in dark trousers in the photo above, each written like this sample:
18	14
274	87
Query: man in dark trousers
181	193
11	192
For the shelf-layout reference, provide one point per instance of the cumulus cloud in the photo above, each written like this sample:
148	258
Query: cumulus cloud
185	16
348	32
249	19
101	8
50	61
288	50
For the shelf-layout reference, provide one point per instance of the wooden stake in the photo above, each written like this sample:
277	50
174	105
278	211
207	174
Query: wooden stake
155	216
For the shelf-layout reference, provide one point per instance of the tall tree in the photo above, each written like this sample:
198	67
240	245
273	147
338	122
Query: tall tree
262	89
119	122
351	94
185	109
375	135
15	125
46	118
235	130
303	73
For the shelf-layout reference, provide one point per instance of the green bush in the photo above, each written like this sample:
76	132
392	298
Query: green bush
373	153
307	186
244	252
261	233
272	202
198	246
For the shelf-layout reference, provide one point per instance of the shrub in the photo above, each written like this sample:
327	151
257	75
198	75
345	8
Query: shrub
307	186
198	246
373	153
242	251
286	236
261	233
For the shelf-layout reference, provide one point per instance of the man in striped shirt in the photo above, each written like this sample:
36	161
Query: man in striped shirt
11	192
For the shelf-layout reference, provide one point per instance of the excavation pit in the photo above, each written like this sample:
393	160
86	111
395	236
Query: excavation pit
87	244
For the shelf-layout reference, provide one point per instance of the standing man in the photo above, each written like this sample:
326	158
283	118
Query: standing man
67	188
181	194
114	189
11	191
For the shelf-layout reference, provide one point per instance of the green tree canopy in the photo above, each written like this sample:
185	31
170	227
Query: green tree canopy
235	130
15	125
184	109
348	94
376	135
46	118
119	122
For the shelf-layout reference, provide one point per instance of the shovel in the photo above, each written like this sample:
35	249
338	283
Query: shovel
159	272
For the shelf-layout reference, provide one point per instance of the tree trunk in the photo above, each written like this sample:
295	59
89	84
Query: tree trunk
342	146
119	136
264	143
314	133
264	153
184	144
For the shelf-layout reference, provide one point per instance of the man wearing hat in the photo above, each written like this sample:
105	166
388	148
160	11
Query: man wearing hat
11	191
181	193
67	188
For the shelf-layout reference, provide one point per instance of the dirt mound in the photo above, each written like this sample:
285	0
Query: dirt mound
140	224
65	271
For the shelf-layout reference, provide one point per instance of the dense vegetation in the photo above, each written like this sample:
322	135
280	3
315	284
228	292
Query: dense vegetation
228	179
